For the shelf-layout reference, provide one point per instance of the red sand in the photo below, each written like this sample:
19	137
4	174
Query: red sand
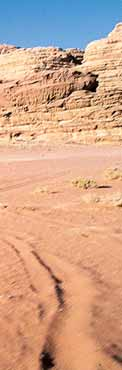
60	261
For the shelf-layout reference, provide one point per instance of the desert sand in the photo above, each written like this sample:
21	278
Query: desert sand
60	259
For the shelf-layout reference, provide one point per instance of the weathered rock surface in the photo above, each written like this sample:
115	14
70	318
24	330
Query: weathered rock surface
53	93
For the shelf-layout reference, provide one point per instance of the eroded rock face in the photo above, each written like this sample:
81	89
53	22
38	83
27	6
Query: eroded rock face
105	57
5	49
50	92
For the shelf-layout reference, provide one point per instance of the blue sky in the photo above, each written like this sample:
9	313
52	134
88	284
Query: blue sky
65	23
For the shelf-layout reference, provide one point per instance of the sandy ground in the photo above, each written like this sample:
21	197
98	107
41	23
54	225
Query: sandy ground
60	260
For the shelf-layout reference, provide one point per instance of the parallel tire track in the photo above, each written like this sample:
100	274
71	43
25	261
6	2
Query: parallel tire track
68	343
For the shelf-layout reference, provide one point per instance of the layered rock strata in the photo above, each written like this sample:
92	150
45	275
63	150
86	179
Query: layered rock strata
50	93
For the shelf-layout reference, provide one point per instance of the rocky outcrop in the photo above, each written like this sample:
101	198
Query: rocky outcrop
105	58
50	93
5	49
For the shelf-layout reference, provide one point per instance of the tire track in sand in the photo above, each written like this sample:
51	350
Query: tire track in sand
68	342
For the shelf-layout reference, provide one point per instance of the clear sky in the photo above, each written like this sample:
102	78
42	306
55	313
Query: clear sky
63	23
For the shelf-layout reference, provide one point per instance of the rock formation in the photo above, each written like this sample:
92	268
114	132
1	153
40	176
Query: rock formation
48	93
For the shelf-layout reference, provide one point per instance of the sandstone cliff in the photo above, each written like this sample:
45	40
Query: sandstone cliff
50	93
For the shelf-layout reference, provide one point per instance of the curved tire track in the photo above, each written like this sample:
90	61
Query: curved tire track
62	335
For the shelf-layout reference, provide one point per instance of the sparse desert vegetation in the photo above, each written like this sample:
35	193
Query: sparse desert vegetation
41	189
112	200
114	173
84	183
45	190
